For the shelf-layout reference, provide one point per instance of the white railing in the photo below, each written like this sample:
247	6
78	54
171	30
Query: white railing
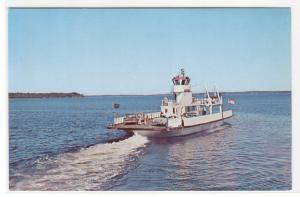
198	101
206	101
118	120
152	115
166	102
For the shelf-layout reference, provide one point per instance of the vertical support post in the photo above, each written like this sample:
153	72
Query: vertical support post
114	113
222	111
114	116
222	106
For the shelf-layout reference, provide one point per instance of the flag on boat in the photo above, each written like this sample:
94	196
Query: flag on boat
116	105
231	101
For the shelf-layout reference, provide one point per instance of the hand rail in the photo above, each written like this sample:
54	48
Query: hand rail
120	120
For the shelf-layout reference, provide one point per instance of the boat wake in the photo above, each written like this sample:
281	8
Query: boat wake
93	168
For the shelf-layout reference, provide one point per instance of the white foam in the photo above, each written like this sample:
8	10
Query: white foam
88	169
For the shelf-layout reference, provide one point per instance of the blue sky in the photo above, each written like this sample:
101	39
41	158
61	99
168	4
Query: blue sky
137	51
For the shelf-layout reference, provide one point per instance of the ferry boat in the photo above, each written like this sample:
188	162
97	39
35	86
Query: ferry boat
182	116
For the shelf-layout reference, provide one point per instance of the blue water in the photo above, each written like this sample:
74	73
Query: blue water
62	144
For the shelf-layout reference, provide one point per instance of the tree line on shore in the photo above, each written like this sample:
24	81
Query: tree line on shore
44	95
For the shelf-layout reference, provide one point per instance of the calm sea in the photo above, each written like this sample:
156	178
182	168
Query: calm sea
62	144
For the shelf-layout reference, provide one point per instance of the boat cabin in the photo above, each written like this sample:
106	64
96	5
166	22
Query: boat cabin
184	104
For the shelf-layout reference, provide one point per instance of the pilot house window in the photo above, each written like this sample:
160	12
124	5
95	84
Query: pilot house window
166	110
173	110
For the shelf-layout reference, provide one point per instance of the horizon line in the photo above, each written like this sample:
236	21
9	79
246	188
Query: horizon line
150	94
248	91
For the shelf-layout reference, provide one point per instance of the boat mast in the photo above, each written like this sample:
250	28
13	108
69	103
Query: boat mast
182	72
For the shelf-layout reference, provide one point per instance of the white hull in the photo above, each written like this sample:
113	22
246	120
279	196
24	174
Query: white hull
180	131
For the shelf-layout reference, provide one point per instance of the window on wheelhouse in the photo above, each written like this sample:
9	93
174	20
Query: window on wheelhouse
190	108
187	109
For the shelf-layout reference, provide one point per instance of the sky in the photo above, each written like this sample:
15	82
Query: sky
138	51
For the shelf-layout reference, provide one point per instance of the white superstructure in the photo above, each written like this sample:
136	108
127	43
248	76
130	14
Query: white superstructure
185	114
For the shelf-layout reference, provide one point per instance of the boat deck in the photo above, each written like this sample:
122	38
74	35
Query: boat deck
154	126
148	126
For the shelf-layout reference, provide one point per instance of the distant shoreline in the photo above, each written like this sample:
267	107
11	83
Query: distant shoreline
44	95
75	94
